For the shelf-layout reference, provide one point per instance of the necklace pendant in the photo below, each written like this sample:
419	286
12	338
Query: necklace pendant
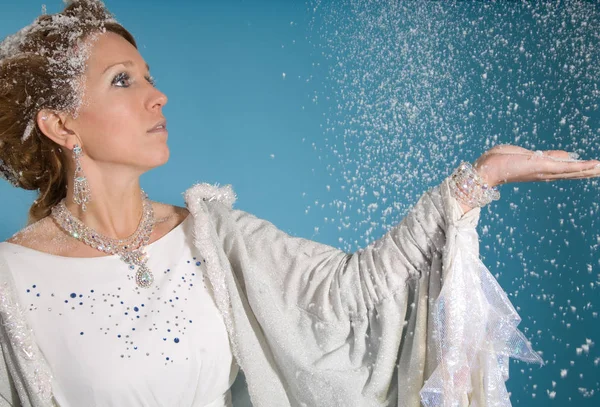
130	249
144	277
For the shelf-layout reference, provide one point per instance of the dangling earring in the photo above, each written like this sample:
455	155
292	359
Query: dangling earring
81	188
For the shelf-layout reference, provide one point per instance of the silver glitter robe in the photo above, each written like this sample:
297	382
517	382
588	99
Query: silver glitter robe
413	318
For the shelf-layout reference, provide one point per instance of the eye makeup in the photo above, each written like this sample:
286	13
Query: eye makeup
124	77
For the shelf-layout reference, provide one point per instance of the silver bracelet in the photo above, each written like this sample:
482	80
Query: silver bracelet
468	187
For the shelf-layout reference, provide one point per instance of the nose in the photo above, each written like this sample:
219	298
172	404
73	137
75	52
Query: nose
158	99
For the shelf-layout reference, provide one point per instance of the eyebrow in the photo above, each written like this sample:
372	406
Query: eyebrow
126	63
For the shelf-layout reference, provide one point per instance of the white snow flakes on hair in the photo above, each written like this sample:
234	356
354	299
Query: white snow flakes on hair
61	42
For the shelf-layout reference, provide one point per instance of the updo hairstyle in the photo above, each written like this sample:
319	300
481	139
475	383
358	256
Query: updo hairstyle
41	67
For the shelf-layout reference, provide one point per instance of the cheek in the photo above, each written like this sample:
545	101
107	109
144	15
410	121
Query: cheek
107	120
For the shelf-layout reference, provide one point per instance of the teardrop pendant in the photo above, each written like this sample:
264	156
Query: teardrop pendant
130	249
144	277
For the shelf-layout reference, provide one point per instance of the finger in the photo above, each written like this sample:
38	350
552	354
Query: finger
589	173
562	167
555	155
557	177
510	149
561	155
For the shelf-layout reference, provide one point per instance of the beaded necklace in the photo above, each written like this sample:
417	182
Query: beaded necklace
130	249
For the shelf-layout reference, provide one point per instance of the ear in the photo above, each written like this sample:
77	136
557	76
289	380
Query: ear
52	124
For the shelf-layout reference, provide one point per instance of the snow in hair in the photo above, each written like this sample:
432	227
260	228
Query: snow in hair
42	66
63	42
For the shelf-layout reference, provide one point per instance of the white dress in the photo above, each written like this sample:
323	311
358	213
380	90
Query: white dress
110	343
414	319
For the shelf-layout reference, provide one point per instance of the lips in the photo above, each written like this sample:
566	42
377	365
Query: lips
159	127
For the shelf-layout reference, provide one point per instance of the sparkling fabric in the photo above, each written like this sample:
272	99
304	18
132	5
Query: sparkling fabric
474	329
314	326
117	344
21	353
311	325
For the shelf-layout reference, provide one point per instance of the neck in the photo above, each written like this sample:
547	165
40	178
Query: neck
115	208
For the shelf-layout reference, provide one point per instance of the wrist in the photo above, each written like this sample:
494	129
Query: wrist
470	188
483	171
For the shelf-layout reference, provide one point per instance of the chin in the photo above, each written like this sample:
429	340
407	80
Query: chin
164	158
158	159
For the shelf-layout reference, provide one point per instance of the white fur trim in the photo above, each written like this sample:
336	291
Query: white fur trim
210	192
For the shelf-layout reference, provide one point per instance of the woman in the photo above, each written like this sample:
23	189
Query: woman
108	298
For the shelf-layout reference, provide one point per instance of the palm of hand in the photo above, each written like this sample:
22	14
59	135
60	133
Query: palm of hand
506	163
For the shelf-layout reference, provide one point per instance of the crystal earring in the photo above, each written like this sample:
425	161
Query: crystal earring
81	188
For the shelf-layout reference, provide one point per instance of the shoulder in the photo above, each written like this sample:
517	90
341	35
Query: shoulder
164	212
46	236
213	203
167	217
38	235
209	193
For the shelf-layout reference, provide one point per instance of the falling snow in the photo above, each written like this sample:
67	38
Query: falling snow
410	89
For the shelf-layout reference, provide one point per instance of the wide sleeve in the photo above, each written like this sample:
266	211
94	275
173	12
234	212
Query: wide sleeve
25	378
8	391
385	325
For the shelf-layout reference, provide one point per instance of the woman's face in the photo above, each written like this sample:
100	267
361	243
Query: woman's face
120	109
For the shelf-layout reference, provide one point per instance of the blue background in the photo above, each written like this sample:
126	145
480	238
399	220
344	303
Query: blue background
235	118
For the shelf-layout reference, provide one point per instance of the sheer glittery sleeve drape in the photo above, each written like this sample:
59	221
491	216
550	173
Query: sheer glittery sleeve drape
25	379
376	327
8	392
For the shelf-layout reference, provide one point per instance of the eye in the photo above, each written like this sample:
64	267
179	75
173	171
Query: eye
121	80
151	80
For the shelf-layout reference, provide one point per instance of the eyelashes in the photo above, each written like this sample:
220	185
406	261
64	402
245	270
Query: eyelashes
123	80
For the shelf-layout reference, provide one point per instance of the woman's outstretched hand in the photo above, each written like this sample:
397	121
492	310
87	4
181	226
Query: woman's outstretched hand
506	163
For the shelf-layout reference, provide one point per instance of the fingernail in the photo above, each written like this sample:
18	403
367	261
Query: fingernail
573	156
597	166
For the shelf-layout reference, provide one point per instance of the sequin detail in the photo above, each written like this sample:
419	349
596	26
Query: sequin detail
144	277
195	198
474	324
29	360
34	371
130	249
